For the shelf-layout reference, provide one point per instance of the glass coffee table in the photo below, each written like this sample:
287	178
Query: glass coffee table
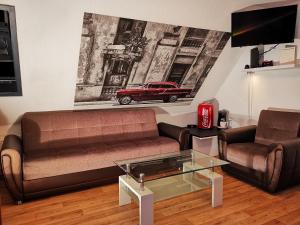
158	177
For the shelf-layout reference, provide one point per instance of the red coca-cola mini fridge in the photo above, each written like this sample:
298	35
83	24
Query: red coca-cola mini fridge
205	115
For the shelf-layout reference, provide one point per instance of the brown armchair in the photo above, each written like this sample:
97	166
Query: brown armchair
266	155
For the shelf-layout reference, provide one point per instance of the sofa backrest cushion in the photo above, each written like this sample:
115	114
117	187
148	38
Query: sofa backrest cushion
58	129
276	126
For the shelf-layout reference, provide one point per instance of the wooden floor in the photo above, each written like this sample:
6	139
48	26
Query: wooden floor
243	205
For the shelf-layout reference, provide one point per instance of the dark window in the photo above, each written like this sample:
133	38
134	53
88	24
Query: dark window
196	33
153	86
120	67
128	28
187	42
178	72
194	38
167	86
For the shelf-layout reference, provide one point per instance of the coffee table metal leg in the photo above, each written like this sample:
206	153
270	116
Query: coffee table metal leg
146	210
124	197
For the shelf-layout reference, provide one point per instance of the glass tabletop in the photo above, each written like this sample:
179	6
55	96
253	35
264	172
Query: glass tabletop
169	164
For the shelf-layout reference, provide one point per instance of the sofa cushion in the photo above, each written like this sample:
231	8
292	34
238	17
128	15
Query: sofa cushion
250	155
92	156
43	131
276	126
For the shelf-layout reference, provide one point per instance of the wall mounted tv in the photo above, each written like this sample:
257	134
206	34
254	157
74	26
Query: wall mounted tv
263	26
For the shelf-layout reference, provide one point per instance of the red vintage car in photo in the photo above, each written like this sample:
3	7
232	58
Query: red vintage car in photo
166	91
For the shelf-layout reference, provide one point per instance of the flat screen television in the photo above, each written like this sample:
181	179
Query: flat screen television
263	26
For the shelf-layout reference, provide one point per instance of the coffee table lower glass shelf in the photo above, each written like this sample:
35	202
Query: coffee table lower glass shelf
164	176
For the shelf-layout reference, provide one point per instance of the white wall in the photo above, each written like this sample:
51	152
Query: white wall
275	88
49	39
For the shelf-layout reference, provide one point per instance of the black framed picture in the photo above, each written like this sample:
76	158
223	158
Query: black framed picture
10	77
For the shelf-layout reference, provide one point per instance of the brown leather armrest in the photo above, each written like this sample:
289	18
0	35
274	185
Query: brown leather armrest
13	142
180	134
283	164
11	164
238	135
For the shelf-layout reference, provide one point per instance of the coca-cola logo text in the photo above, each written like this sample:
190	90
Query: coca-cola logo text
205	118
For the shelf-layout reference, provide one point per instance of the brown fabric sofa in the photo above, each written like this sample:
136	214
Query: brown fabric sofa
67	150
266	155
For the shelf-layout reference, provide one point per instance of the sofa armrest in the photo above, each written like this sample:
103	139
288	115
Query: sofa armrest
238	135
180	134
283	164
11	164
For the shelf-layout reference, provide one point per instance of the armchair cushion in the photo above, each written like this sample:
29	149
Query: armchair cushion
250	155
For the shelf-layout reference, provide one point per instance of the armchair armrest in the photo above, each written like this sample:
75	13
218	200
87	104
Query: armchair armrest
11	164
234	135
238	135
180	134
283	164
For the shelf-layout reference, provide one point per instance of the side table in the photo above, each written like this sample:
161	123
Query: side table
205	140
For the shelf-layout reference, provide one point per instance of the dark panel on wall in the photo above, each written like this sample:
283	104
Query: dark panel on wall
10	78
